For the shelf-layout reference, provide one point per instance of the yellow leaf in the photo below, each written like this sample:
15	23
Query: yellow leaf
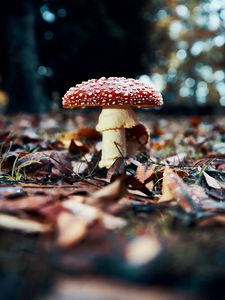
167	195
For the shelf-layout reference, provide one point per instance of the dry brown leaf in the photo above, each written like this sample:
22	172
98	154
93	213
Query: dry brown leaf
203	201
136	193
75	199
11	192
36	157
61	160
198	194
89	214
77	148
150	185
28	203
85	212
66	137
24	225
79	166
221	167
111	222
118	167
181	173
175	187
144	172
82	134
167	195
213	221
110	193
158	174
71	230
142	250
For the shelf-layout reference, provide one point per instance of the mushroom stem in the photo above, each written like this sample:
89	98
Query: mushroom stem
113	146
112	123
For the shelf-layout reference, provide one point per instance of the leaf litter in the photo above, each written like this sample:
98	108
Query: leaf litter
51	183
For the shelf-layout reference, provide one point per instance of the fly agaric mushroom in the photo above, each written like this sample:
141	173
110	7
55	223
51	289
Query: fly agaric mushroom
116	96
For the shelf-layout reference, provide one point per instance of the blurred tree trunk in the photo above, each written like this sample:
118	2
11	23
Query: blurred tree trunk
25	89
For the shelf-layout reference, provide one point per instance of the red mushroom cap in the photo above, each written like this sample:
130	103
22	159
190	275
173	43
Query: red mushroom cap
112	91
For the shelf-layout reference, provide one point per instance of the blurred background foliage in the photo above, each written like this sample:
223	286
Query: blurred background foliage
48	46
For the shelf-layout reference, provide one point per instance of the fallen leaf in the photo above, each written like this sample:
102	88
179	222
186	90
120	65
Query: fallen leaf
11	192
213	221
112	223
110	193
28	135
175	160
28	203
213	206
24	225
212	182
198	195
175	187
61	160
82	134
66	137
85	212
118	167
221	167
142	250
89	214
71	230
144	172
77	149
166	195
79	167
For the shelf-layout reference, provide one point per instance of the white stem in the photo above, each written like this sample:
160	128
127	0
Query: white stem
115	118
113	146
112	123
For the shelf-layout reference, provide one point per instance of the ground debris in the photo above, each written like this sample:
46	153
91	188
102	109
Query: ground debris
124	219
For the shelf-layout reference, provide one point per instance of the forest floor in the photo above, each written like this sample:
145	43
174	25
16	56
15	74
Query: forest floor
152	226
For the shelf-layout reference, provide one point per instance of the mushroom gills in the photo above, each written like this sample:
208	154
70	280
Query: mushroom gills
112	123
